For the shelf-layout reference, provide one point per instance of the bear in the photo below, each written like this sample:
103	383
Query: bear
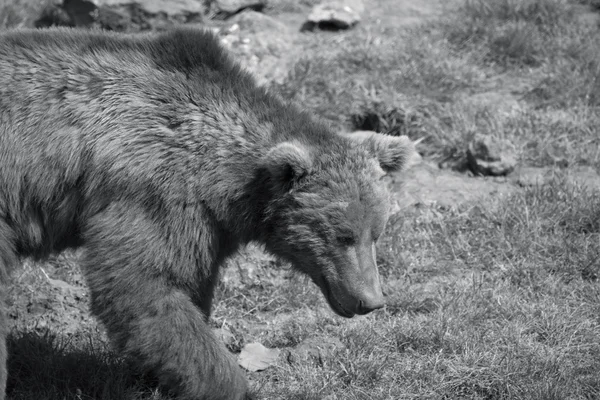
159	156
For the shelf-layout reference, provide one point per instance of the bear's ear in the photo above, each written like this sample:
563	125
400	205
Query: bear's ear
287	163
394	153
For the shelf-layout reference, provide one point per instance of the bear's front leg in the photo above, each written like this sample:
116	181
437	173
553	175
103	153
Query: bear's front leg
142	299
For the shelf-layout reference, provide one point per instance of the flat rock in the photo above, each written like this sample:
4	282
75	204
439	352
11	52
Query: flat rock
231	7
252	22
132	15
168	7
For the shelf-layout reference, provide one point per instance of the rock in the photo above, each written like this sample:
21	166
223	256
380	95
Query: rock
131	15
262	44
335	14
122	15
153	7
78	13
491	156
255	23
228	8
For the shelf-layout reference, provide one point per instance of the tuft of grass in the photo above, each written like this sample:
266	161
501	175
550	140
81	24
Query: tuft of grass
521	32
548	34
352	76
573	79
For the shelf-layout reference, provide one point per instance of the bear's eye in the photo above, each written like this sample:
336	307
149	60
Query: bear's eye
376	235
346	240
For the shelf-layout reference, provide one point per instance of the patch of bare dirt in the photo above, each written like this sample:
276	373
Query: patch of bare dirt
426	185
52	296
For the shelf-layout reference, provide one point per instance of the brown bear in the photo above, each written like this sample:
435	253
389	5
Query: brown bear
159	157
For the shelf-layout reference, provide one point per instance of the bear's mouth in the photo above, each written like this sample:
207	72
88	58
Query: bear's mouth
335	305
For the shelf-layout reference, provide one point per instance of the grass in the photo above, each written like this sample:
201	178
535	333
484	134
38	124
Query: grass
498	303
537	56
498	300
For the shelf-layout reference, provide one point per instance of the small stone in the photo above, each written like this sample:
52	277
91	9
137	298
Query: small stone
491	156
335	14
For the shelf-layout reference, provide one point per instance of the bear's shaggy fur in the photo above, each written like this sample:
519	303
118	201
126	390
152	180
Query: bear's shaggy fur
159	156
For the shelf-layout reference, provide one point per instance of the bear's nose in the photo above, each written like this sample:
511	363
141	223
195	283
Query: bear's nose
365	306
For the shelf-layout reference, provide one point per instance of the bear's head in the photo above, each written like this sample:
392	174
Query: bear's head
328	209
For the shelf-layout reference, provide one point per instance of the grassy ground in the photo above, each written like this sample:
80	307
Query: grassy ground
499	300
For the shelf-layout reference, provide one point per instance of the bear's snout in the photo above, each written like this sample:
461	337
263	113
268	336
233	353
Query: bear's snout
355	288
370	302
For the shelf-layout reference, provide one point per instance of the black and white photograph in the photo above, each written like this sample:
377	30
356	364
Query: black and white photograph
299	199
